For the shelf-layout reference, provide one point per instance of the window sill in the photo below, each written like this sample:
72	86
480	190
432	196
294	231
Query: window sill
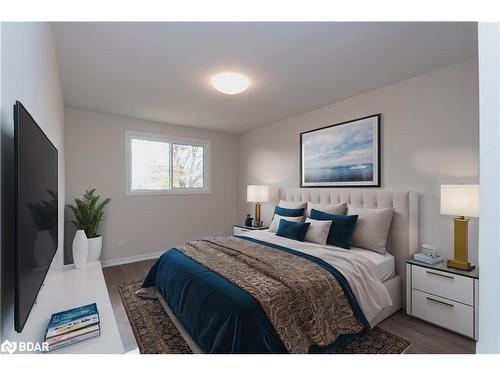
203	191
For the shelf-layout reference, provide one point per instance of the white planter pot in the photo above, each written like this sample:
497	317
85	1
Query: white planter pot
80	249
95	247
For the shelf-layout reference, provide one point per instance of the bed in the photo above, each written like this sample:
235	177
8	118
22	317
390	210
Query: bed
204	285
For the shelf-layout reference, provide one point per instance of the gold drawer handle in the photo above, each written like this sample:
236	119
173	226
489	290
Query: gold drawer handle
440	274
440	302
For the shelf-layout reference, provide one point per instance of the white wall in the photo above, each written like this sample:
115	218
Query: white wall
95	158
429	137
489	234
29	74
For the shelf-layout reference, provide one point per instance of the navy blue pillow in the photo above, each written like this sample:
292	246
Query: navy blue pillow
290	229
341	230
290	212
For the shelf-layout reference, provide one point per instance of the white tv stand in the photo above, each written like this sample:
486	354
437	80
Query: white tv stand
69	287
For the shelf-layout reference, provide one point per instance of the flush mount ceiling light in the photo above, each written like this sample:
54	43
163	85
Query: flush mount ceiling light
230	83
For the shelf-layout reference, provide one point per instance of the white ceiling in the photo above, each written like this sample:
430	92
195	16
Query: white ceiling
161	71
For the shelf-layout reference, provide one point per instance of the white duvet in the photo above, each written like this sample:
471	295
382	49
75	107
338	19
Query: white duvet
359	272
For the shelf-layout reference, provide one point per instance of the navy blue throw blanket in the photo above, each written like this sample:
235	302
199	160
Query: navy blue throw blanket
223	318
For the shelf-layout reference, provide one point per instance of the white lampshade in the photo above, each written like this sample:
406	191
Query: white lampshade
460	200
257	193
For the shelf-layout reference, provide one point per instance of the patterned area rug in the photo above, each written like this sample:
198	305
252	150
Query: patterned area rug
156	334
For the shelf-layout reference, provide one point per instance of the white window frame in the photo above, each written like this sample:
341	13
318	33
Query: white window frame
206	189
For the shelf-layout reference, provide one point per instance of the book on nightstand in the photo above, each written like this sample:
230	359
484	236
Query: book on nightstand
428	258
73	326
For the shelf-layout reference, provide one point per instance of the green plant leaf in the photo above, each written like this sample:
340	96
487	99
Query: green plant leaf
89	213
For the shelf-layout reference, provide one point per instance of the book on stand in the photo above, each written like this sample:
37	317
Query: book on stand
73	326
428	258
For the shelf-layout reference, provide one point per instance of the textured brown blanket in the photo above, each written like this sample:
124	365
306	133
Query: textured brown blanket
304	302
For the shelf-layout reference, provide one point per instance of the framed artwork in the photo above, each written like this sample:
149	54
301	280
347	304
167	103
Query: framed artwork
342	155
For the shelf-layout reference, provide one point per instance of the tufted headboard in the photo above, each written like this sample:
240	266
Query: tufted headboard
403	235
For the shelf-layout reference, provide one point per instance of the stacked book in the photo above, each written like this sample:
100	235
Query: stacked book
428	258
72	326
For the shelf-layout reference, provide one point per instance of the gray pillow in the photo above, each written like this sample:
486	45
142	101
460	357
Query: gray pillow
372	227
337	209
288	204
318	231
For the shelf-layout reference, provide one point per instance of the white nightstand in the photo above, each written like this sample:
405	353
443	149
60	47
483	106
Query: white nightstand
240	229
443	296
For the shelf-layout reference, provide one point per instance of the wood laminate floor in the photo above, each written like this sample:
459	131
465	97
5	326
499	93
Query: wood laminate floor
424	337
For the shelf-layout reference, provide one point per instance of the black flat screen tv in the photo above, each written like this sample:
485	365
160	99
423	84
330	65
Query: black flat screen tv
36	211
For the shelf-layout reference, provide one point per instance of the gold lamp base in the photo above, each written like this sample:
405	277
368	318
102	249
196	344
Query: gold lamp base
460	266
461	241
258	223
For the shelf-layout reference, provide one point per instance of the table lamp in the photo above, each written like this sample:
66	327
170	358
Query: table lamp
257	194
460	201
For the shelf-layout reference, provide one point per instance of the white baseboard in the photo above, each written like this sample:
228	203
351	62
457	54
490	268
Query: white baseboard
131	259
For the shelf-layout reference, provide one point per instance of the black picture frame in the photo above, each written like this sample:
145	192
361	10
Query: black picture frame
377	162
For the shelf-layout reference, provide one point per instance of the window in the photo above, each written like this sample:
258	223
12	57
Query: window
158	164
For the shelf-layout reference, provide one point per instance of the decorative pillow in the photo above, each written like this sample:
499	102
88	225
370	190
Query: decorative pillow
276	220
341	229
318	231
292	230
372	227
287	204
337	209
289	211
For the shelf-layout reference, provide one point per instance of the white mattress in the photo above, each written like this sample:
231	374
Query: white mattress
384	263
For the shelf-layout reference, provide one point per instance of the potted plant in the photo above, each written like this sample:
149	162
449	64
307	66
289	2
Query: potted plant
89	213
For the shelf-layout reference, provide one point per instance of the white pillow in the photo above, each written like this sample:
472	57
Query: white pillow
276	221
337	209
318	231
287	204
372	227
